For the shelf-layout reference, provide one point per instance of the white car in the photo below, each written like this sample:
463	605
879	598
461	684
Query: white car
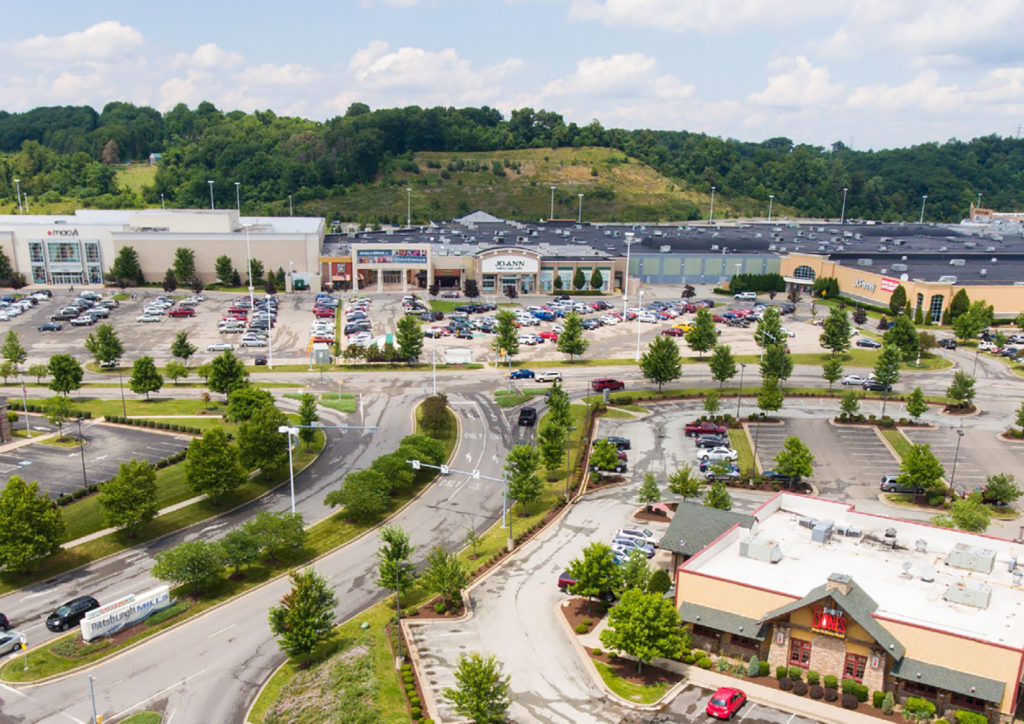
717	454
642	534
854	380
787	332
148	318
557	328
155	311
648	318
549	376
986	346
361	339
610	319
254	342
220	347
529	339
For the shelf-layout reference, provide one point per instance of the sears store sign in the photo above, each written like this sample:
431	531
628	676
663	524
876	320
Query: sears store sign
126	611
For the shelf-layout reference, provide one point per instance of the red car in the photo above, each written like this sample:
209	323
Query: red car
705	428
549	335
182	312
719	318
321	312
607	383
673	332
725	702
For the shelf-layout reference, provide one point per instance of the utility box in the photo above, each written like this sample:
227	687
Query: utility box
322	354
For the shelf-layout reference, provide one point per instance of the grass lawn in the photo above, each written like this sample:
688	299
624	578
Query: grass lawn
444	305
144	717
741	444
66	442
617	413
203	423
157	406
898	441
630	692
504	398
340	401
134	176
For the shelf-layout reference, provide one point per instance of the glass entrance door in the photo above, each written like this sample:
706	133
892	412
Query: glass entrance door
67	278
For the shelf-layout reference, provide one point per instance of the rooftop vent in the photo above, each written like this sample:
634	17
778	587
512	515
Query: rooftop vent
928	574
957	262
983	273
971	558
994	260
947	279
863	262
969	245
664	248
921	545
899	267
822	531
969	593
761	549
990	248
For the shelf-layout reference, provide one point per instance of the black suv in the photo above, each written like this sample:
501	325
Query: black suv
710	441
528	416
947	343
71	613
876	386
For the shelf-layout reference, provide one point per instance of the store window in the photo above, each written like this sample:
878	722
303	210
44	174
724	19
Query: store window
935	308
962	701
803	272
800	653
38	274
916	688
854	666
392	277
63	251
487	283
920	301
699	630
35	251
92	252
742	642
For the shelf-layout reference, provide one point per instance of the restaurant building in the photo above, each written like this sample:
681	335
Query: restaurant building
895	605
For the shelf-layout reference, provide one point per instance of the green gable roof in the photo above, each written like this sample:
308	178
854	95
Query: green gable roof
732	623
695	526
959	682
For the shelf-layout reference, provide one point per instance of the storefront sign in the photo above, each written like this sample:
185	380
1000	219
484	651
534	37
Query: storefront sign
124	612
509	264
62	232
864	285
827	620
339	269
889	284
391	256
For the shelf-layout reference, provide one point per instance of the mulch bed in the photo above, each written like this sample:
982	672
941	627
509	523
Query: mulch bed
654	517
583	608
957	410
427	610
625	669
863	708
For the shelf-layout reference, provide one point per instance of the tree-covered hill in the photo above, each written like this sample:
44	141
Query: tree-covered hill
338	167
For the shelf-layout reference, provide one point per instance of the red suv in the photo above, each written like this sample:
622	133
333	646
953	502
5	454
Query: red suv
705	428
607	383
182	312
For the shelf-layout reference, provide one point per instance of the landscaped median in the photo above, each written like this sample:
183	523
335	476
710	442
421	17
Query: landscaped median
68	652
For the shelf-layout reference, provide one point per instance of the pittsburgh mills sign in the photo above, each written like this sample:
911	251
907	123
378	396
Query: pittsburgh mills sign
124	612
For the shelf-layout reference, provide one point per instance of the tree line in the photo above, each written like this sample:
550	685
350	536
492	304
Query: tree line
70	149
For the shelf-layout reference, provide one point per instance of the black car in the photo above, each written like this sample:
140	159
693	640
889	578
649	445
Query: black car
620	443
260	360
876	386
869	343
64	315
4	623
50	327
528	416
71	613
710	441
464	333
431	316
619	467
947	343
773	476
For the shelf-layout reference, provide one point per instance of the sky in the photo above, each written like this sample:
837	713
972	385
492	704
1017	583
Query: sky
869	73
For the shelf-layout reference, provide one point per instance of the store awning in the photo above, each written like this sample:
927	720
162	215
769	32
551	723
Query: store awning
958	682
725	621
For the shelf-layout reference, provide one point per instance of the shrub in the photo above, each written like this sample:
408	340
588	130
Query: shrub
831	695
415	713
587	622
786	684
917	708
969	717
848	685
753	666
813	677
816	692
439	607
796	673
861	692
582	628
876	699
699	653
739	670
830	682
689	659
888	702
764	668
414	701
799	688
849	701
704	663
781	672
722	664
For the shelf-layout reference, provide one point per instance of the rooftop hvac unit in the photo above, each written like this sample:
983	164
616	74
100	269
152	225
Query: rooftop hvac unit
882	247
771	247
863	262
947	279
990	248
760	549
921	545
853	532
994	260
899	267
822	532
664	248
1017	576
971	558
782	248
983	273
957	262
969	593
807	522
928	574
714	247
969	244
943	248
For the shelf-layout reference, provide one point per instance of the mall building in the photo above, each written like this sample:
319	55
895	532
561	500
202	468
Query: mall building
896	605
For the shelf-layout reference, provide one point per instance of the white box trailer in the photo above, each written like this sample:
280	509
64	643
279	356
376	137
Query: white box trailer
458	356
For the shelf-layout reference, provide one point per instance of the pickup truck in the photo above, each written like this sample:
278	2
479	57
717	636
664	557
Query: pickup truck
705	427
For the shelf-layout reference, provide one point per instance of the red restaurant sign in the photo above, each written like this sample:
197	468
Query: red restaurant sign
829	620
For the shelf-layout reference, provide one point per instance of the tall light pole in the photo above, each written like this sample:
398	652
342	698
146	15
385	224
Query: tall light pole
238	197
640	304
771	200
162	206
625	285
211	194
433	358
506	521
291	432
120	380
712	216
739	392
408	207
551	215
924	200
81	447
290	213
842	214
248	257
956	456
17	188
92	697
579	214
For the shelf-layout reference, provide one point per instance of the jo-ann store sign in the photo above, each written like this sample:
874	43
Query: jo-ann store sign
124	612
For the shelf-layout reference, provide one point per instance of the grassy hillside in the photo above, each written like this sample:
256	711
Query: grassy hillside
516	184
135	176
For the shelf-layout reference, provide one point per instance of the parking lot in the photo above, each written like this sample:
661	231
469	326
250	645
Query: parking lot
970	471
767	439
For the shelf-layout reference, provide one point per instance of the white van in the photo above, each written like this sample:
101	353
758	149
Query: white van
745	297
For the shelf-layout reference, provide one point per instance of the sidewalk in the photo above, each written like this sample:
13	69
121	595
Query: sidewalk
105	531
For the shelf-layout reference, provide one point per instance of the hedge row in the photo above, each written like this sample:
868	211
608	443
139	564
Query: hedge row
156	424
20	405
64	499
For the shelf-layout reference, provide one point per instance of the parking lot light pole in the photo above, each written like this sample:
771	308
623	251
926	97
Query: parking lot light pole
81	448
238	197
552	214
771	200
711	217
17	187
506	521
956	456
842	214
640	305
739	392
408	207
120	380
579	214
433	359
924	200
293	431
211	193
248	256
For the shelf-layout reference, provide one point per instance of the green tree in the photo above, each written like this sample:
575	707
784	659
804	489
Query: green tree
703	336
279	535
126	267
661	362
195	564
579	279
7	370
659	582
571	341
596	280
395	570
722	364
363	494
1019	320
446	574
521	465
170	281
970	323
227	373
603	456
916	405
145	377
558	407
260	445
646	626
104	345
836	331
712	402
434	416
635	571
649	494
506	336
887	370
898	300
182	348
551	439
239	547
31	526
926	342
244	401
769	328
794	459
685	483
224	269
129	498
968	514
212	466
959	304
308	417
409	336
921	469
38	371
903	335
65	374
481	691
961	390
770	397
184	263
305	617
850	404
12	349
175	371
596	573
832	370
776	362
398	474
718	497
1001	489
58	411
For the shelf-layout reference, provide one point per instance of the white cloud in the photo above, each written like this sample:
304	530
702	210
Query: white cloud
102	41
922	92
208	55
799	83
271	74
704	16
603	76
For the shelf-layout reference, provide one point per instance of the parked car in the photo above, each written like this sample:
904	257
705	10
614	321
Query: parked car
522	374
10	641
549	376
71	613
50	327
634	544
854	380
745	297
565	580
620	443
642	534
947	343
4	623
260	360
714	471
892	484
717	454
141	318
673	332
619	467
528	416
607	383
182	312
220	347
876	386
86	320
713	441
725	702
869	343
704	427
773	476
